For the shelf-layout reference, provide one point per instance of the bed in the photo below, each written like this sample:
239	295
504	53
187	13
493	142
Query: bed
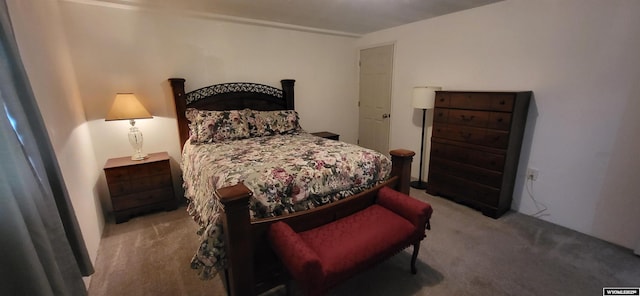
233	218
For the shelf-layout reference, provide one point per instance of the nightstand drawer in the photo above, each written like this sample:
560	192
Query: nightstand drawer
155	168
139	184
139	199
117	174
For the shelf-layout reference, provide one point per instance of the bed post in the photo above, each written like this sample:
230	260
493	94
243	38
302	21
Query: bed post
237	232
401	159
177	85
287	91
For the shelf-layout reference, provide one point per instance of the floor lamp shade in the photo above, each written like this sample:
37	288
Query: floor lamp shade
424	97
127	107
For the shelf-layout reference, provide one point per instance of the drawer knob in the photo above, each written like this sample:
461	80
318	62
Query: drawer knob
503	102
500	119
465	135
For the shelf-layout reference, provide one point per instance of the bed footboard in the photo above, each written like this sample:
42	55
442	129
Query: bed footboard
240	233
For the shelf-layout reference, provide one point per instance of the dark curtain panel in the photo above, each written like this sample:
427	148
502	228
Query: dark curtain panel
42	251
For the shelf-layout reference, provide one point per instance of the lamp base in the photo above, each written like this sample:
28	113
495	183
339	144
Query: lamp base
418	184
139	156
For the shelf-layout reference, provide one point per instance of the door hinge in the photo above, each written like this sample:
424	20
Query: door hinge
358	141
358	103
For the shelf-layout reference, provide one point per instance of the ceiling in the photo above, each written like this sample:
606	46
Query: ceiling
343	17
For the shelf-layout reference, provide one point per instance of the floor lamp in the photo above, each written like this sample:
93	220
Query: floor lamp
424	98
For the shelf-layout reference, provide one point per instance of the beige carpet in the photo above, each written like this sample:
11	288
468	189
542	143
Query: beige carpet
465	253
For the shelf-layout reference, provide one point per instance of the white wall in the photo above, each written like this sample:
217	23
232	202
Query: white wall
45	55
580	58
123	49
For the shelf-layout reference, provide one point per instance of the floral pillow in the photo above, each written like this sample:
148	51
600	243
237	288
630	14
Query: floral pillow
267	123
216	126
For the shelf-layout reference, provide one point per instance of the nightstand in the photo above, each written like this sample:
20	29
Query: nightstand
327	135
140	186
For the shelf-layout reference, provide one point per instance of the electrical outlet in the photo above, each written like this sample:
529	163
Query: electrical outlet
532	174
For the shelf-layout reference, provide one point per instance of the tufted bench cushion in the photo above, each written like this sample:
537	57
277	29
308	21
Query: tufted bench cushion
323	257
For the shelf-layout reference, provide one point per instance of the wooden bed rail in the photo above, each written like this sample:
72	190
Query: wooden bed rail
241	235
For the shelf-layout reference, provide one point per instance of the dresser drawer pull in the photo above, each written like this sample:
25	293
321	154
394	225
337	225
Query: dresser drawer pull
503	102
466	136
500	119
467	119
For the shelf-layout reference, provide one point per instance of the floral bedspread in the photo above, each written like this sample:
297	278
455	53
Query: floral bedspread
287	173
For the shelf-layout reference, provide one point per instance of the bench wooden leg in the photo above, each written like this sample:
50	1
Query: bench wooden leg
416	249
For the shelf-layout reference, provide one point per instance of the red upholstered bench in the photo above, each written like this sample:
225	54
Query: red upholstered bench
323	257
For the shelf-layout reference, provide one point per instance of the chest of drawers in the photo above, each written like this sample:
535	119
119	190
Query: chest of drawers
140	186
475	147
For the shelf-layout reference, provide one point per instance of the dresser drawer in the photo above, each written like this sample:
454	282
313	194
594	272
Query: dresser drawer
472	135
458	133
476	101
468	117
139	199
481	119
469	156
458	188
472	173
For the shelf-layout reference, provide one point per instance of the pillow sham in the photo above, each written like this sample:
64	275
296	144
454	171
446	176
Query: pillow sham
267	123
216	126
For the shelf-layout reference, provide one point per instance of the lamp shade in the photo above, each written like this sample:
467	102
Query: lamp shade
424	97
127	106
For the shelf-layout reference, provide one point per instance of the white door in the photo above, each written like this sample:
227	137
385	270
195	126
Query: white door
376	66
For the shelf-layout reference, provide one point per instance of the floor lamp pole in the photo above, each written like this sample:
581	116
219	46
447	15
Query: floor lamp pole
419	184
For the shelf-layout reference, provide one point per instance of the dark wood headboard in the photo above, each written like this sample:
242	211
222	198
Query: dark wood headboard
229	96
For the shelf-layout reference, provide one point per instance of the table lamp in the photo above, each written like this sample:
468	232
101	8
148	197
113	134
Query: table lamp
127	107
